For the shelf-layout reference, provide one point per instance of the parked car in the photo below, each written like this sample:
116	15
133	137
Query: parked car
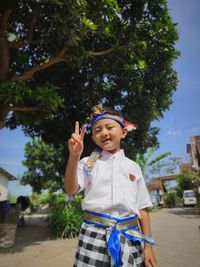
189	198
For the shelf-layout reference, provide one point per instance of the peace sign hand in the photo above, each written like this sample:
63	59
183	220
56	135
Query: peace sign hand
75	143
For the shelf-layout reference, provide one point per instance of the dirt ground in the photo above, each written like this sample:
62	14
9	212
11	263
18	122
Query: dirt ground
34	247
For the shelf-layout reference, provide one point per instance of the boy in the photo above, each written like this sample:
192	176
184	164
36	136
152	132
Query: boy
115	199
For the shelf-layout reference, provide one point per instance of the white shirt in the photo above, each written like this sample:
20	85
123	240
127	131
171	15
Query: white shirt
115	186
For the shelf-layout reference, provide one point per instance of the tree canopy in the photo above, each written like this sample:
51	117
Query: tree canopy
187	180
45	166
60	57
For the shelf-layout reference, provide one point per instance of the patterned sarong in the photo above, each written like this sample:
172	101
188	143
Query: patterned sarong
92	249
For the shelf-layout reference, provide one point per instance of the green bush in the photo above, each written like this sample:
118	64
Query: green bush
64	219
12	199
170	199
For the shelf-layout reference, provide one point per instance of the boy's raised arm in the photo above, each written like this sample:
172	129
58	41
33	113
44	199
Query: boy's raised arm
75	145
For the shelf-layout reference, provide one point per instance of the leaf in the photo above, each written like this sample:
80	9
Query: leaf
88	23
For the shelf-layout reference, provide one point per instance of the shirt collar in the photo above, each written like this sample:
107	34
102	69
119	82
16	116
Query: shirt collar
107	155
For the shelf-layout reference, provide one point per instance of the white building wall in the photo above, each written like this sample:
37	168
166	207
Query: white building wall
3	187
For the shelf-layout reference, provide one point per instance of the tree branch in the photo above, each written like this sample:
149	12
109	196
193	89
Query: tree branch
101	53
4	21
60	57
24	109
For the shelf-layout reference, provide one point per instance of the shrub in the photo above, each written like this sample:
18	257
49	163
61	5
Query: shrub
64	219
170	199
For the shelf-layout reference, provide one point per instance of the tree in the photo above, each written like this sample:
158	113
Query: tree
145	161
44	166
116	52
166	166
188	180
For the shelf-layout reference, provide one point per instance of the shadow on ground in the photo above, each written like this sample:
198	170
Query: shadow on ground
189	212
32	233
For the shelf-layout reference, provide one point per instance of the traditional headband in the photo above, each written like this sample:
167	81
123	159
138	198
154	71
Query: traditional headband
107	116
124	123
99	113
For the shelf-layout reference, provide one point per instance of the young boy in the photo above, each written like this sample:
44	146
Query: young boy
116	197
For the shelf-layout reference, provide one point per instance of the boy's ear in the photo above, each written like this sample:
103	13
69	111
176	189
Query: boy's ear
124	132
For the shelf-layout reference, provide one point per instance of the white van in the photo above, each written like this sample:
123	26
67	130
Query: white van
189	198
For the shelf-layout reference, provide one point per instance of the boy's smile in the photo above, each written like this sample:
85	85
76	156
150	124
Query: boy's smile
107	134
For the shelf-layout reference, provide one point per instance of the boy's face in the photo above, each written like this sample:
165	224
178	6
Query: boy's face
107	134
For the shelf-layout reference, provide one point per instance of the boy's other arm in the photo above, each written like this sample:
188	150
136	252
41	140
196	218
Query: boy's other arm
75	145
149	257
145	222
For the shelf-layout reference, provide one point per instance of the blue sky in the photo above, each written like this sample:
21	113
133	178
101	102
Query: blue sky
183	118
180	122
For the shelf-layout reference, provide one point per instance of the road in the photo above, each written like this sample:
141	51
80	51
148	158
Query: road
177	235
176	232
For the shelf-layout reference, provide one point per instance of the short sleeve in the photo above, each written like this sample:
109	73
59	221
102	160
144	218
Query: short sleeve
83	178
143	197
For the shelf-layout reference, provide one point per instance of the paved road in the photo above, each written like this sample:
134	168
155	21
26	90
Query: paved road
177	235
176	232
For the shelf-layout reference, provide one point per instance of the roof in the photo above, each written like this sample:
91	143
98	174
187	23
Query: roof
7	174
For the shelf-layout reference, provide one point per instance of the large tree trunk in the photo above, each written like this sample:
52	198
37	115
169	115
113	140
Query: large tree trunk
4	49
4	61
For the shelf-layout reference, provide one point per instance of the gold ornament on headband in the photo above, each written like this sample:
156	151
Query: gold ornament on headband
97	110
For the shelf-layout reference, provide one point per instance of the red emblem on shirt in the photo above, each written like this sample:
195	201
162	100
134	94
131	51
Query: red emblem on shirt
132	177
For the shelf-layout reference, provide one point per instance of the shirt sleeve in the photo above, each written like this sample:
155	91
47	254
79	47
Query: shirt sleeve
83	178
143	197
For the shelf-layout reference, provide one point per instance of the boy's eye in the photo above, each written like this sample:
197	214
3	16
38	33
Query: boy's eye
110	127
96	131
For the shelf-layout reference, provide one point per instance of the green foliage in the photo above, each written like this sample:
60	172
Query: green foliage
44	165
117	52
166	166
11	198
187	180
145	161
38	200
170	199
65	219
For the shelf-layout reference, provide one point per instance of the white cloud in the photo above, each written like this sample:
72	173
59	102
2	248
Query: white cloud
175	132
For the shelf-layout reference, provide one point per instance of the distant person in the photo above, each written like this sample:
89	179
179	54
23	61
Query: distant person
116	199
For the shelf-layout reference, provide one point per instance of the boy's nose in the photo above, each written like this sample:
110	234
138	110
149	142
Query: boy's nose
104	132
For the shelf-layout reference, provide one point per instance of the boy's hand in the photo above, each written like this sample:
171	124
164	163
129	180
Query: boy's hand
149	257
75	143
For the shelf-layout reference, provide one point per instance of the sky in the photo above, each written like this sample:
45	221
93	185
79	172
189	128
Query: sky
179	123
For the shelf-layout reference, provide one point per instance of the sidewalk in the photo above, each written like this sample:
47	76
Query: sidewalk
176	233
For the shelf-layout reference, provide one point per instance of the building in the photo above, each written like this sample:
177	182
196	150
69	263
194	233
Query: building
5	177
194	150
157	189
